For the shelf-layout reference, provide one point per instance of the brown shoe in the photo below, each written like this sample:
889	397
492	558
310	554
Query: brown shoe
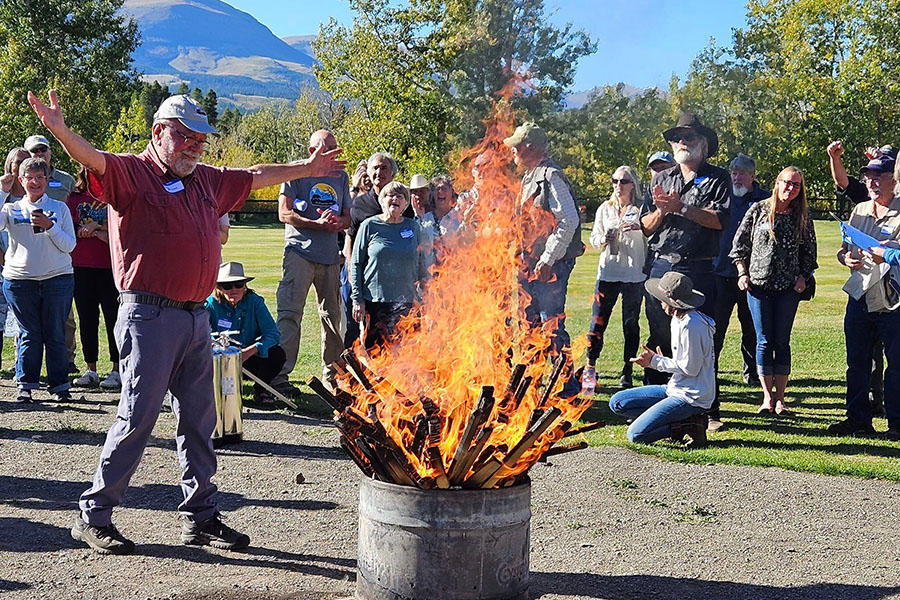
694	428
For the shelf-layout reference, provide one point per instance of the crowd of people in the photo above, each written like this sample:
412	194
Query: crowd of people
692	245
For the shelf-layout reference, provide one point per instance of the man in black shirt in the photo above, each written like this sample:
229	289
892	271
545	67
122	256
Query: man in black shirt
684	217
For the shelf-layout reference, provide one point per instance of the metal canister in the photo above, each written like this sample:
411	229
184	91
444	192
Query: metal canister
227	388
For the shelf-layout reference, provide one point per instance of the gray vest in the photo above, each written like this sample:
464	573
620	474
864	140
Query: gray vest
536	187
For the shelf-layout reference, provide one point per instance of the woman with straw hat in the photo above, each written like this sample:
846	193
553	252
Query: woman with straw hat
235	307
678	408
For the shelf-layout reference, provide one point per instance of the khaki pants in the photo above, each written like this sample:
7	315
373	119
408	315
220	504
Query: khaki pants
70	336
297	275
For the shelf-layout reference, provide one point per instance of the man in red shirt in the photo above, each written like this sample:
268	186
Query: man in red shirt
164	241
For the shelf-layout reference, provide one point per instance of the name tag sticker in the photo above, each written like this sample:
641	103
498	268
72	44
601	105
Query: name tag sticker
54	183
224	324
406	233
887	231
19	217
174	186
701	179
764	226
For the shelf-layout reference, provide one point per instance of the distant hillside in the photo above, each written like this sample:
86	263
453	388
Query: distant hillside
303	43
211	44
579	99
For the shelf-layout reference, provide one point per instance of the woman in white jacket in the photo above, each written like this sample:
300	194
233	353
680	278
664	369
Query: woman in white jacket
620	271
38	281
679	408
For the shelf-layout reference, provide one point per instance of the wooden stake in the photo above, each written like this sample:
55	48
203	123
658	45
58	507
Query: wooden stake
478	418
585	428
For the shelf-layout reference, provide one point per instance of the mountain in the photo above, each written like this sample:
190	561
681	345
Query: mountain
579	99
211	44
303	43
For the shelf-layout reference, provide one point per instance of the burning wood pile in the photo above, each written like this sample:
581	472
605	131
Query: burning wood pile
490	447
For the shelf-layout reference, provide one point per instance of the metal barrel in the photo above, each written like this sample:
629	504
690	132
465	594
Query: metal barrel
443	544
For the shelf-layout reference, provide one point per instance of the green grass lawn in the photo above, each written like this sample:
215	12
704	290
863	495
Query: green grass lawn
816	394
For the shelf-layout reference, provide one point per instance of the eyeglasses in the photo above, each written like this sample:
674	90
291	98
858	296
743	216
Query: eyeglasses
39	150
189	138
870	176
621	181
34	177
791	184
228	286
687	137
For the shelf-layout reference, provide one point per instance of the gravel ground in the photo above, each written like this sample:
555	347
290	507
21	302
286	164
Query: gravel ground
607	523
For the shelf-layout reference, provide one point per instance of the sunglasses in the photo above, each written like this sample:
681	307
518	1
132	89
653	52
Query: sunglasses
621	181
687	138
39	149
791	184
236	285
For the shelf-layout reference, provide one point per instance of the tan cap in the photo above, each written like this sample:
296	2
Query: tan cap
34	141
185	109
527	133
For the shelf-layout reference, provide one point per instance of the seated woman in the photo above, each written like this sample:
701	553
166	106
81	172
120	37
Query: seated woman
38	281
679	408
389	259
235	307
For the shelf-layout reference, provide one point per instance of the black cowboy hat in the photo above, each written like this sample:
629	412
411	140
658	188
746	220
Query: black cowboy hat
690	121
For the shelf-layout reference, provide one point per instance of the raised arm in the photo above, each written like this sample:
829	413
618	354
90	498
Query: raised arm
75	146
320	164
836	164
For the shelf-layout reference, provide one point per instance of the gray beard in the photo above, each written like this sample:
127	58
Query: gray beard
739	190
686	156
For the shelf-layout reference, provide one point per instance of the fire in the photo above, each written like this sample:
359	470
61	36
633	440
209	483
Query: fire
469	331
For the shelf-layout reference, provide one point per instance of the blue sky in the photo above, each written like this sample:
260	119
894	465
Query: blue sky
640	42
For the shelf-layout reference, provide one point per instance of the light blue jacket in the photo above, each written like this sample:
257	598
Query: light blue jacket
250	316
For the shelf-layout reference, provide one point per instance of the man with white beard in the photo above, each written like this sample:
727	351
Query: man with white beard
745	192
684	217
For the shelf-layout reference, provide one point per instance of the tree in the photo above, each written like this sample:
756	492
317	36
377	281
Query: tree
82	49
229	120
183	89
211	106
424	73
131	133
151	96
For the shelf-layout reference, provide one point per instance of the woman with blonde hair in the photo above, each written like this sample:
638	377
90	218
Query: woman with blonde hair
623	248
775	255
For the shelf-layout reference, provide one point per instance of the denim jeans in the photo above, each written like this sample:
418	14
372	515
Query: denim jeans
861	330
653	412
701	274
548	302
605	295
41	308
773	318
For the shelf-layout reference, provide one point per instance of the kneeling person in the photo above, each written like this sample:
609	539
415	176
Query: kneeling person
235	307
676	409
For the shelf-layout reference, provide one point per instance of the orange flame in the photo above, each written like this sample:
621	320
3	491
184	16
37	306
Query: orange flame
470	326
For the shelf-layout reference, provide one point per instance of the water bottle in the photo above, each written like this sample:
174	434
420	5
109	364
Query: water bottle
588	382
612	244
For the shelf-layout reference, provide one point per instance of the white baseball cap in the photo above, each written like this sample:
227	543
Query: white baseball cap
34	141
185	109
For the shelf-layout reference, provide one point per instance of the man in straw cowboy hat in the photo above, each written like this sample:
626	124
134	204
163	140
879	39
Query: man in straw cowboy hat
676	409
164	208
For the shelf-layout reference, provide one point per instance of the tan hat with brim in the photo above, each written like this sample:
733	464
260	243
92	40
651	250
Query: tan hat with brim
231	272
417	182
676	290
527	133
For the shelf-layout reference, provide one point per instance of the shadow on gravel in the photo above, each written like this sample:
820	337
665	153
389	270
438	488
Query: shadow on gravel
49	494
310	564
642	587
13	586
250	447
30	536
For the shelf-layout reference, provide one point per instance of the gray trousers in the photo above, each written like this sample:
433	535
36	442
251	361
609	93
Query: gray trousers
159	349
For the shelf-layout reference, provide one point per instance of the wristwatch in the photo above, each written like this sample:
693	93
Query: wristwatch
683	210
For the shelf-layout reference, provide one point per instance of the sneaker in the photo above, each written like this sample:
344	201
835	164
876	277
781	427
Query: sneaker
89	379
714	424
105	540
588	381
288	389
625	381
112	381
851	428
24	397
892	435
63	396
213	532
263	398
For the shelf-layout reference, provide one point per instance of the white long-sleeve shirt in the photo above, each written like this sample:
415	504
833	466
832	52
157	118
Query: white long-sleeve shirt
37	256
627	265
693	362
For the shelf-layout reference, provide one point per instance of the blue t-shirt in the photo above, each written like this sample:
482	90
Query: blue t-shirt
388	260
309	195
